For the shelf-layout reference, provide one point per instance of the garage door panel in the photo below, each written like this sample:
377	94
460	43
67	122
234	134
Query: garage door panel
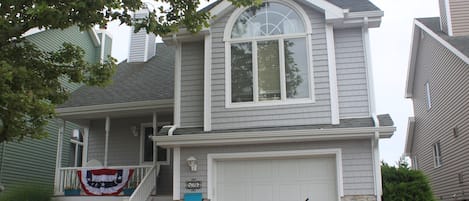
262	192
277	179
232	192
260	170
289	192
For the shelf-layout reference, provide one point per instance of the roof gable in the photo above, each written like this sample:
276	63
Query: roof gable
459	45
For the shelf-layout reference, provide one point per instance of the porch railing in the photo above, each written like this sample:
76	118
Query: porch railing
68	177
146	186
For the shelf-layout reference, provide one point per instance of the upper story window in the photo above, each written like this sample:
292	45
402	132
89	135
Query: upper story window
428	96
269	56
437	155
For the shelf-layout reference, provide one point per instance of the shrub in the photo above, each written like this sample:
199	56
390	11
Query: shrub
404	184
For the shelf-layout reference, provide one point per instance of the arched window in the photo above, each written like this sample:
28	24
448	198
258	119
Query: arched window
268	56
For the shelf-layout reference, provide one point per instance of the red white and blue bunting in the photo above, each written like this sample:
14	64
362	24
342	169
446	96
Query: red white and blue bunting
104	181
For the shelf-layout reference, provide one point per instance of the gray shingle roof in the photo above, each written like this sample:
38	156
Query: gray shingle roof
132	82
355	5
352	5
385	120
459	42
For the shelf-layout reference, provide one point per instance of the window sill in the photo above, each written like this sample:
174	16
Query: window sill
269	103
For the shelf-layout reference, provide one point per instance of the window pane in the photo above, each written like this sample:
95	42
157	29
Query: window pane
162	154
267	20
269	70
241	72
296	68
148	145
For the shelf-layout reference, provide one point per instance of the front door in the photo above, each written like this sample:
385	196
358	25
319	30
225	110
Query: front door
147	148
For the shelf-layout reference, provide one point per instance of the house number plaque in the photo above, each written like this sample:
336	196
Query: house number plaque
193	185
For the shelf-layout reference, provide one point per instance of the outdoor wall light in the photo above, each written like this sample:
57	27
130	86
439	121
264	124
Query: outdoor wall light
192	163
134	130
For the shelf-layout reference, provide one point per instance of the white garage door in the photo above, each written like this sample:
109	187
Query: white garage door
296	179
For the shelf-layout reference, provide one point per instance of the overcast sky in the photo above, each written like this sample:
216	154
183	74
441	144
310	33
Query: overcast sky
390	47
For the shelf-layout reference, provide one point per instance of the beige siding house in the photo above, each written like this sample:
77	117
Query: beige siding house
438	84
268	103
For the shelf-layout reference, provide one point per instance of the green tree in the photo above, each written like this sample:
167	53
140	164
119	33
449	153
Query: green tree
404	184
29	85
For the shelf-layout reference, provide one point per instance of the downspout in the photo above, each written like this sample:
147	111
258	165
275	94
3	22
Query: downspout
372	109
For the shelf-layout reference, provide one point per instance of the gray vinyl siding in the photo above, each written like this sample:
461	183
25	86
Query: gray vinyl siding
351	73
124	148
460	17
356	162
53	39
447	76
443	16
192	85
279	115
137	46
33	161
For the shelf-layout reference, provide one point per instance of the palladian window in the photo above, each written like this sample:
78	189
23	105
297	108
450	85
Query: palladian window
269	53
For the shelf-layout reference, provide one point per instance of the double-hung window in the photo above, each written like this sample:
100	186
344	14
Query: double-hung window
437	154
268	57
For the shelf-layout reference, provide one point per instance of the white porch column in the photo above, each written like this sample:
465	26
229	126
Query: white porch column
106	145
84	156
155	131
58	162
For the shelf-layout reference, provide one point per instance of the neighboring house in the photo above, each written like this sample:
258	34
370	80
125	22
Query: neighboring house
438	84
33	161
274	103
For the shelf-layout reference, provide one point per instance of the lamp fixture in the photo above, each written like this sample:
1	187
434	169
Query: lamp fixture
192	163
134	130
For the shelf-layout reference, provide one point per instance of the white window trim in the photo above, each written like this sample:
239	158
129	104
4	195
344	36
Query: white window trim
428	96
415	163
142	141
254	40
436	155
212	159
77	144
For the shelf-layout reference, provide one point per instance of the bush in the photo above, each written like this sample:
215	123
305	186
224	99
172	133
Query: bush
404	184
27	193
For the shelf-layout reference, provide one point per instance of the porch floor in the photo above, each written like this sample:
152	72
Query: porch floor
108	198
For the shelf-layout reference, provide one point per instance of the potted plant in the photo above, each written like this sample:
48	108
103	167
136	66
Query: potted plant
73	189
130	188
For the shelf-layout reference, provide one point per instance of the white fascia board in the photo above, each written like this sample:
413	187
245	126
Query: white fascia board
220	8
32	31
412	61
332	11
259	137
410	136
94	36
443	42
115	107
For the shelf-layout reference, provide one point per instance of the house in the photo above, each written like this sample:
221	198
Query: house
438	85
33	161
268	103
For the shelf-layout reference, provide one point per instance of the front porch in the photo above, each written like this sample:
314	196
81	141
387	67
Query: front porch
116	142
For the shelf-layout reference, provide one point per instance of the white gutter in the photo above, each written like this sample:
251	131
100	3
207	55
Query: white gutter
115	107
251	137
